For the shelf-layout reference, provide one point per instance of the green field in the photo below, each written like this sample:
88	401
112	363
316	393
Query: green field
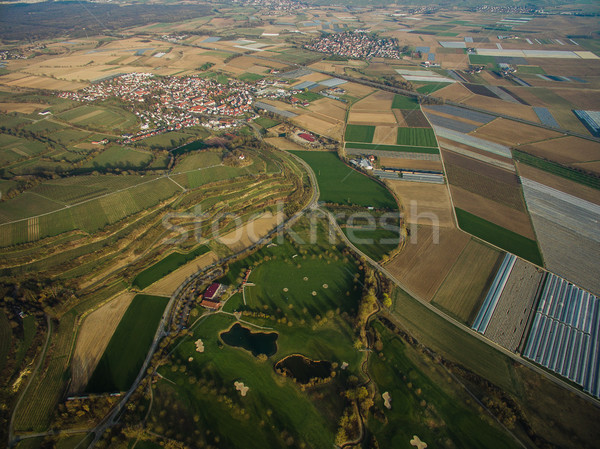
267	122
419	137
250	77
359	133
501	237
530	70
5	338
375	243
557	169
309	96
411	379
128	346
166	266
101	118
118	156
199	159
340	184
403	102
401	148
483	60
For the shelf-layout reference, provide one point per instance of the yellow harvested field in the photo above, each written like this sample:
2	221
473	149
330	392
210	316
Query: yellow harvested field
94	335
378	101
167	285
385	135
424	262
455	92
357	90
313	77
320	124
394	162
400	120
423	203
40	82
25	108
559	183
329	107
589	166
371	118
283	144
251	232
513	133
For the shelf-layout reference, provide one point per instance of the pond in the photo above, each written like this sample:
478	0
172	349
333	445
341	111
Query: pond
303	369
255	342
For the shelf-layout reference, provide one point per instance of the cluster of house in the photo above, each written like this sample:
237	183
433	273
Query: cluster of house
174	37
171	103
210	299
274	5
357	45
366	163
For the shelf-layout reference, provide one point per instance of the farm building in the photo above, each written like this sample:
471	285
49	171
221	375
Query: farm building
210	304
307	137
213	292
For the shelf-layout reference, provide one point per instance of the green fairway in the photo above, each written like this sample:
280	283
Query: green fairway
375	243
501	237
166	266
340	184
412	381
401	148
128	346
359	133
419	137
403	102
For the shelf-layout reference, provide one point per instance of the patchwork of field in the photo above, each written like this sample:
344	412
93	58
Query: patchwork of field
251	232
566	150
92	339
25	108
39	82
423	204
566	228
477	154
394	162
513	310
427	258
284	144
465	286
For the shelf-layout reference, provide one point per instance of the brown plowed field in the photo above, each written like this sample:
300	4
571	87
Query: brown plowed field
25	108
450	116
579	150
400	118
513	133
320	124
378	101
515	220
331	108
502	107
452	145
429	200
466	285
94	335
372	118
422	265
415	119
455	92
559	183
394	162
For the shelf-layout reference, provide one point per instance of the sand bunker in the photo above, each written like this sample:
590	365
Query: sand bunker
416	442
285	289
325	286
314	293
305	278
243	389
199	346
387	400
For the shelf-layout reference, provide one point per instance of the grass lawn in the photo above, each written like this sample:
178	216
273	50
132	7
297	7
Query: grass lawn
359	133
166	266
501	237
266	122
128	346
413	381
420	137
403	102
402	148
250	77
340	184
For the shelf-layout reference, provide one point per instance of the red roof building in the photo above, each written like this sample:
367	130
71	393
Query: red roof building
210	304
212	292
306	137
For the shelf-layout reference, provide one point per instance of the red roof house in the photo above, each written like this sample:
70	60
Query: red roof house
213	291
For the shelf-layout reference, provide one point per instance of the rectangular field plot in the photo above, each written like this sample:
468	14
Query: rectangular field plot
565	333
467	282
567	230
399	148
515	299
499	236
402	102
128	346
359	133
419	137
475	142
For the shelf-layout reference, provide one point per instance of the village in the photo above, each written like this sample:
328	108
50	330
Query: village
357	45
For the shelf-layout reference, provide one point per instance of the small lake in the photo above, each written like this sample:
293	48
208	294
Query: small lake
302	369
255	342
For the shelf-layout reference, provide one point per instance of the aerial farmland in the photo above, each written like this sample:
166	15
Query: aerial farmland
275	223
